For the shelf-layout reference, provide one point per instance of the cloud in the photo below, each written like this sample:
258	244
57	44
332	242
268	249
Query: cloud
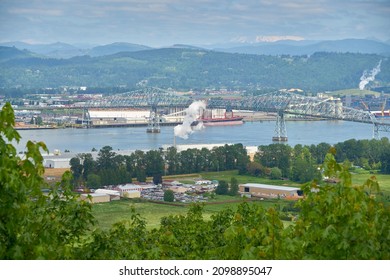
162	22
35	12
278	38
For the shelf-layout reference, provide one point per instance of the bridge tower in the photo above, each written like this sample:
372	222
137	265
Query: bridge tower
280	129
86	118
154	121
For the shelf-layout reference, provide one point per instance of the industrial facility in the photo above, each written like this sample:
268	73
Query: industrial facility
269	191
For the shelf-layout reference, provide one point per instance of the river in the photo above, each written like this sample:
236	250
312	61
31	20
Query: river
249	134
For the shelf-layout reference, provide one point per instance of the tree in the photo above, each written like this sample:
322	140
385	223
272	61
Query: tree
136	163
33	225
233	190
276	173
157	178
222	188
169	196
171	158
319	151
342	221
385	161
89	164
105	158
76	167
141	175
154	162
255	169
93	181
275	155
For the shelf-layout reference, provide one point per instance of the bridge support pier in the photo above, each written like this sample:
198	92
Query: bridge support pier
154	121
86	118
280	129
376	132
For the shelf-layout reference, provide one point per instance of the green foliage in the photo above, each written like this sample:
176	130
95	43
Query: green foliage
76	167
93	181
276	155
222	188
385	160
141	175
275	173
341	221
169	196
255	169
157	178
233	190
33	225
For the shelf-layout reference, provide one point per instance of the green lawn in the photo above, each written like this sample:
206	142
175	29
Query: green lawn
109	213
383	180
115	211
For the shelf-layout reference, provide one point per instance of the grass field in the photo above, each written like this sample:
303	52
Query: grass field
109	213
383	180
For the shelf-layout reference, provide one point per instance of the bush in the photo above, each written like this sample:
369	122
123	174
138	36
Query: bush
223	188
276	173
169	196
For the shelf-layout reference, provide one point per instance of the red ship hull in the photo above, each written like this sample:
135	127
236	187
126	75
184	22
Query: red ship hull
222	121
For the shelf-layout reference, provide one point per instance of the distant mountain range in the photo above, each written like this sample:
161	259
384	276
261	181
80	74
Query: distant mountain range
286	47
63	50
310	47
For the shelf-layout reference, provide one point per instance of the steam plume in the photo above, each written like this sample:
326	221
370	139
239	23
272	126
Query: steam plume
369	76
185	129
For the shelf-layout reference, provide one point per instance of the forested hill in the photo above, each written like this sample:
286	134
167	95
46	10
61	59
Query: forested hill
186	68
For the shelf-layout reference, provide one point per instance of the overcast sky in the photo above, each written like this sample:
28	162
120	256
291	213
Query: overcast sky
165	22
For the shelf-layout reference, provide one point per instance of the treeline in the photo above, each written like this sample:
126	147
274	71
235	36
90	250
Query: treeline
336	221
275	161
111	168
300	163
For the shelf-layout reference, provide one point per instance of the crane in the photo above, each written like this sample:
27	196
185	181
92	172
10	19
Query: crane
365	105
383	107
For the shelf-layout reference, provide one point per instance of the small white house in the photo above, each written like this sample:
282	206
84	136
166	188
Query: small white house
129	188
57	163
114	195
95	197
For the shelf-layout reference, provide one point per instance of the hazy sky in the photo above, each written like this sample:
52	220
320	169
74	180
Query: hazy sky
166	22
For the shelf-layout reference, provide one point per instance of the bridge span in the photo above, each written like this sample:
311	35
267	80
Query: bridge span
279	102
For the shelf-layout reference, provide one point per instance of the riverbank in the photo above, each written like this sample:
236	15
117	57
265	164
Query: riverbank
22	126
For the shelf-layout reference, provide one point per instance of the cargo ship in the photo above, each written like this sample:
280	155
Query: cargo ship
221	121
215	117
381	114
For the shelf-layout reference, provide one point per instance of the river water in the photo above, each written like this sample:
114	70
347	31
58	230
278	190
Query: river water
249	134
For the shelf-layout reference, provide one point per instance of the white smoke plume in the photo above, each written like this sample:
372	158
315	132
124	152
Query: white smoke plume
369	76
192	112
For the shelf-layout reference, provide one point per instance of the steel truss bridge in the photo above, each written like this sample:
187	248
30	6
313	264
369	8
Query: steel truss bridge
278	102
